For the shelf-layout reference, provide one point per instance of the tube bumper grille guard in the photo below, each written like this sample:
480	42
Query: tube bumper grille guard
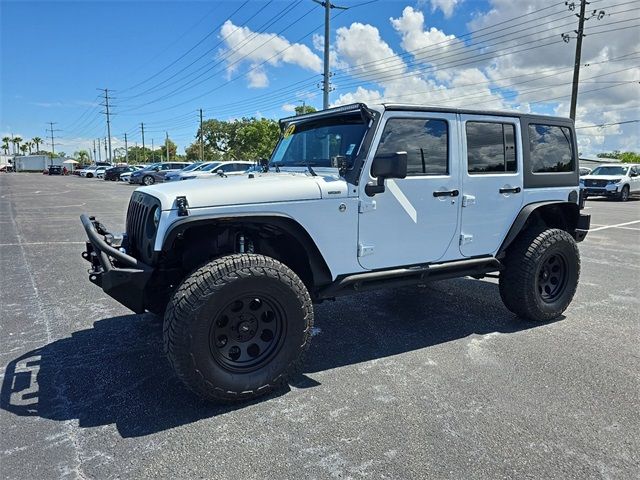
121	276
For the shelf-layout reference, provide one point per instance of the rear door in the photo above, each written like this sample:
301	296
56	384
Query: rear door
492	181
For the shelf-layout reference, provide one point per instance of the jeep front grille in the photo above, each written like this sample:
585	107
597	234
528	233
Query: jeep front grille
140	241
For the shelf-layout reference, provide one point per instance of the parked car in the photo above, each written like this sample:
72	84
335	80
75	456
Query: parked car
113	174
54	170
89	172
350	202
99	173
155	172
618	181
172	176
234	167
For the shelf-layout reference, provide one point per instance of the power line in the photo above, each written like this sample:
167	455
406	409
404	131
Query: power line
107	113
608	124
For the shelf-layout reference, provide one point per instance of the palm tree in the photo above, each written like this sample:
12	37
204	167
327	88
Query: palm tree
5	144
29	146
37	141
16	142
24	149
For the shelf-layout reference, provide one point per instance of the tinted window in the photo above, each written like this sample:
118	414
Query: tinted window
425	141
491	147
550	149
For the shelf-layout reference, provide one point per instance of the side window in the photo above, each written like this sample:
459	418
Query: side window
426	142
165	166
550	149
227	167
491	147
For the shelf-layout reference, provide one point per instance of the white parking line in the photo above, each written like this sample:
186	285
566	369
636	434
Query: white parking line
614	226
40	243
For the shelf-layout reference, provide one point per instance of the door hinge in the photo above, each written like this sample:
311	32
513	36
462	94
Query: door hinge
468	200
366	206
364	250
465	238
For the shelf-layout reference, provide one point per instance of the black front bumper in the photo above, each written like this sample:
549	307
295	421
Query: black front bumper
121	276
582	228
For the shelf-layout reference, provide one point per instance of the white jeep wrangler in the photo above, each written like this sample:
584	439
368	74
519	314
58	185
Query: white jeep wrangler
353	198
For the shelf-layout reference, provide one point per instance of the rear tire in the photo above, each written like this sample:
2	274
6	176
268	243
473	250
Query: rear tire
238	327
541	274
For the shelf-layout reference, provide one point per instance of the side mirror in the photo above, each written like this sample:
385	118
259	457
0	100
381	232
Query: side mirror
392	165
634	174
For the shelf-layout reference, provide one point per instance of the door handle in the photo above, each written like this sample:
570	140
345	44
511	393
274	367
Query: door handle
510	190
446	193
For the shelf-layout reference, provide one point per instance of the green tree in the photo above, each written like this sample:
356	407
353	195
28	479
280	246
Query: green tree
307	109
82	156
257	138
24	148
173	149
5	144
37	141
624	157
16	144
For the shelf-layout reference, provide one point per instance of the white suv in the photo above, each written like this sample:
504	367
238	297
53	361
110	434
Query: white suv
233	167
618	181
353	198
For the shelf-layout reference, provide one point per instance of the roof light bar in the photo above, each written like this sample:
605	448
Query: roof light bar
352	107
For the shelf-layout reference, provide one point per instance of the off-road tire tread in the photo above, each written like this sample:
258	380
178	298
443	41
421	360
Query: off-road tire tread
196	290
521	265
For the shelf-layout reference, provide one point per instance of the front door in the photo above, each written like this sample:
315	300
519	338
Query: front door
415	220
491	181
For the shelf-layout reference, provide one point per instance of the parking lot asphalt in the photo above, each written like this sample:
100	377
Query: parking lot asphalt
427	382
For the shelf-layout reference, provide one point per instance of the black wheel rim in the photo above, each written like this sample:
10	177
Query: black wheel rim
247	333
552	277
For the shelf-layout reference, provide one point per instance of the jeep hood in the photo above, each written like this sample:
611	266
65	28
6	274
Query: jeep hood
241	189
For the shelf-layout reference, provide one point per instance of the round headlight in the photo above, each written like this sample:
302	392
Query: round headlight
156	217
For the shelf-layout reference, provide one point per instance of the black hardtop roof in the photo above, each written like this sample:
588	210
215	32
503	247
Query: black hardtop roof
468	111
356	107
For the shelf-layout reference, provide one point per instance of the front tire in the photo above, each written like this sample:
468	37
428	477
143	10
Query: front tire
541	274
624	194
148	180
238	327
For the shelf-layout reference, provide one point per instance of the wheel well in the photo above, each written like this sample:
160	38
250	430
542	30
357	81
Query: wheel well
562	215
197	242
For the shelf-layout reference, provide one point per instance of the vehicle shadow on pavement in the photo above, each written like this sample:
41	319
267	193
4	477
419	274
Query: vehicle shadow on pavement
116	372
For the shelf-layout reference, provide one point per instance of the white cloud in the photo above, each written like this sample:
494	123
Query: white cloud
438	68
289	107
446	6
257	77
243	45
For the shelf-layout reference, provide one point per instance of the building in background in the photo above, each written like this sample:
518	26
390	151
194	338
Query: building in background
36	163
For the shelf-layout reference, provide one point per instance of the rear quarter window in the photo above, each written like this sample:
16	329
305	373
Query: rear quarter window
550	149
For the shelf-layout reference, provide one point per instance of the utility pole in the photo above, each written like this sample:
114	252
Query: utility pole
107	112
107	159
153	156
126	149
304	106
99	152
94	151
201	139
136	152
53	143
576	65
579	35
326	85
166	144
144	155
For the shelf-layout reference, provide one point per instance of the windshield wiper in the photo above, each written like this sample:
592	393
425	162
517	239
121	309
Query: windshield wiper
306	164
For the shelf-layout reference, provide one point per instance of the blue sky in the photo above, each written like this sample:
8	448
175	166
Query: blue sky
56	54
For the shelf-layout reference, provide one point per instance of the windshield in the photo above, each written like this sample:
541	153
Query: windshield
610	171
317	142
210	167
193	166
152	166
